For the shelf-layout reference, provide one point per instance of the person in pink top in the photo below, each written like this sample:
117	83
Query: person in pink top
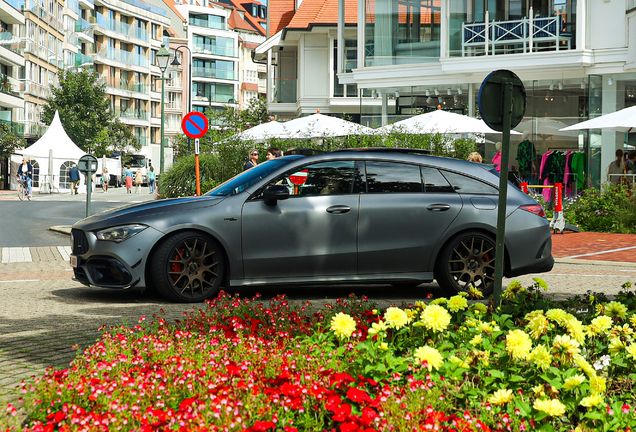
496	160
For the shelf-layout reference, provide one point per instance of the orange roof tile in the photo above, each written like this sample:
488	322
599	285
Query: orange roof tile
249	86
313	12
280	13
171	5
237	22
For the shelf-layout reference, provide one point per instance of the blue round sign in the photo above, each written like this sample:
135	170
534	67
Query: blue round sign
194	124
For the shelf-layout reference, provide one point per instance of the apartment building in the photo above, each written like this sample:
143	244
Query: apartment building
11	60
420	55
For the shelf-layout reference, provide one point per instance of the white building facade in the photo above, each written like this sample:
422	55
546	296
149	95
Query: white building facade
421	55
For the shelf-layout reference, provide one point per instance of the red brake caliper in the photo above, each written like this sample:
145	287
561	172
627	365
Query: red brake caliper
176	267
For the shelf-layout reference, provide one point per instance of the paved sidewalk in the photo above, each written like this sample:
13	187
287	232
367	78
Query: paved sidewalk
595	246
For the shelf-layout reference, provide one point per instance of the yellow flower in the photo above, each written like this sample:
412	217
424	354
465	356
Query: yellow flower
600	309
541	357
624	330
566	346
537	323
511	290
460	363
541	283
599	325
383	346
518	344
487	327
592	401
598	384
500	397
631	351
440	301
538	390
475	293
573	381
584	365
343	325
478	308
633	319
430	355
377	328
464	294
457	303
552	407
476	340
396	318
575	328
616	345
559	316
614	308
435	318
420	304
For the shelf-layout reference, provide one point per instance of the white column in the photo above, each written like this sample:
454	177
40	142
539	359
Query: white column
581	20
385	102
269	77
471	100
341	44
362	18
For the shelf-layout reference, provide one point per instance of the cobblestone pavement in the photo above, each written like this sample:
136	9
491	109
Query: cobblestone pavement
44	314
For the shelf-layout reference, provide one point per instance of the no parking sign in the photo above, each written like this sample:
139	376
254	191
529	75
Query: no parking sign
194	124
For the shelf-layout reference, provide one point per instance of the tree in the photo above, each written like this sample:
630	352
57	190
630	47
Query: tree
116	138
9	142
83	105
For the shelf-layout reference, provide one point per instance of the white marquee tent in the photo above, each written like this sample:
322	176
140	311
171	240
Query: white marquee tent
51	156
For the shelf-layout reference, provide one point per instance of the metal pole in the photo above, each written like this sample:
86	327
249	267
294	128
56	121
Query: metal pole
89	185
503	193
163	95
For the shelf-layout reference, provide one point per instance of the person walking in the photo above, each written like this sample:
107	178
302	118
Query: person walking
128	174
26	172
139	178
105	179
253	160
74	177
152	177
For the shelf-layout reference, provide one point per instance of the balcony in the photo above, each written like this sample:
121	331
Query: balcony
544	33
11	42
32	129
132	113
82	60
124	84
207	72
15	128
37	90
208	24
73	5
128	57
87	4
285	90
41	13
84	31
120	27
220	50
174	105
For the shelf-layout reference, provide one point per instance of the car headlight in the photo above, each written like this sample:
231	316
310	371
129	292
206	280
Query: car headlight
119	233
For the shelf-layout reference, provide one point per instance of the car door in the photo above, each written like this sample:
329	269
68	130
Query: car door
312	233
404	212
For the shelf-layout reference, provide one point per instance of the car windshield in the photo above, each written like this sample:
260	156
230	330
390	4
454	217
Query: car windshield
247	178
136	161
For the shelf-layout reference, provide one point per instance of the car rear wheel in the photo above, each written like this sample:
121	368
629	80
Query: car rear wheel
467	261
188	267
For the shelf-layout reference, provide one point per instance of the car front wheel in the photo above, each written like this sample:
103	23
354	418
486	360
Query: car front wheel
188	267
467	261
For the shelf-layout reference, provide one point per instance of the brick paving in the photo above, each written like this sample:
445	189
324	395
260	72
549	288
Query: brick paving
595	246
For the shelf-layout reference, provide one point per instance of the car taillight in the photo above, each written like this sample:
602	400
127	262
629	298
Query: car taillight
534	208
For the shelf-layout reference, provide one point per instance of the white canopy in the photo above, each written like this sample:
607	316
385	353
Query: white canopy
619	121
439	121
263	131
322	126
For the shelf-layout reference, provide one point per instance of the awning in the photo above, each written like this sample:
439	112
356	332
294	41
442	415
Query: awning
269	43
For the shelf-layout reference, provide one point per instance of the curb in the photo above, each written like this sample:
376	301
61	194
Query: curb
593	262
62	229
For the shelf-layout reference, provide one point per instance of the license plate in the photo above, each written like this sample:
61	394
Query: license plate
74	261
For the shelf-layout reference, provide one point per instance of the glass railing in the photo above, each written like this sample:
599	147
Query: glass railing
132	113
15	128
81	25
34	89
17	4
32	129
285	90
121	56
120	27
174	105
11	42
82	60
222	98
147	7
207	72
208	24
124	84
51	20
73	5
92	2
221	50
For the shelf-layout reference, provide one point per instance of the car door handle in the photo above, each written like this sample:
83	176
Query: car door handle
338	209
438	207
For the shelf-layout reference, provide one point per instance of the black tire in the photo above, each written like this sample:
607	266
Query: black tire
467	260
188	267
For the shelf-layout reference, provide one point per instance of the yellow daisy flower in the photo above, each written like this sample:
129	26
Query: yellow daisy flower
435	318
616	345
564	345
518	344
440	301
343	325
478	308
541	357
377	328
475	293
459	362
476	340
559	316
584	365
614	308
457	303
598	384
537	324
396	318
500	397
592	401
430	355
631	351
575	329
552	407
573	381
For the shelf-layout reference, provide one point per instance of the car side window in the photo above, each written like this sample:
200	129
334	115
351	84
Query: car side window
467	185
327	178
392	177
434	181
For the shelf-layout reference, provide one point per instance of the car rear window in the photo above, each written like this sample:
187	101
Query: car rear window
391	177
468	185
434	181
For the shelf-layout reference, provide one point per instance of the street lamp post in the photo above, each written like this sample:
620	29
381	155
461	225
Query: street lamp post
163	56
175	62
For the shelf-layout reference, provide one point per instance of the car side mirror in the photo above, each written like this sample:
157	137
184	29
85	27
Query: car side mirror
274	193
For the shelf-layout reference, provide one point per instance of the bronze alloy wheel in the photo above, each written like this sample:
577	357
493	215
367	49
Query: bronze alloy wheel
467	261
191	267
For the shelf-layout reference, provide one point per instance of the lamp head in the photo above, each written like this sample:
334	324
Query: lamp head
163	57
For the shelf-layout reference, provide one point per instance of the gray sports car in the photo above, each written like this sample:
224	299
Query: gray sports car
363	216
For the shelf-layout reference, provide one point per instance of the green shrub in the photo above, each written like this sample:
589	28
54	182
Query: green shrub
180	180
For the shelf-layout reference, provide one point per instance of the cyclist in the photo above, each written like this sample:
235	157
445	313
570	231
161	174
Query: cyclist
25	172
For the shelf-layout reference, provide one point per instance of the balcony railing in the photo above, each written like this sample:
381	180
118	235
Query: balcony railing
116	54
34	89
147	7
43	14
124	84
227	51
82	60
32	128
208	24
174	105
120	27
132	113
15	128
73	5
17	4
522	35
207	72
285	90
11	42
10	86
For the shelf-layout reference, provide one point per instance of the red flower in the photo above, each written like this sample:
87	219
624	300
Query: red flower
341	412
290	390
368	415
357	395
186	403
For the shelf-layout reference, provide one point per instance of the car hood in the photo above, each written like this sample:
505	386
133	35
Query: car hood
138	213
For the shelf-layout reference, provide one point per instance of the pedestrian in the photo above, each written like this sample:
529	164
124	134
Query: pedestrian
74	177
273	153
139	178
475	157
105	179
128	174
496	160
152	177
253	160
26	172
616	168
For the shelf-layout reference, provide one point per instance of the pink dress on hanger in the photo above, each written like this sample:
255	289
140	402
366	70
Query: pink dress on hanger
496	160
547	192
566	176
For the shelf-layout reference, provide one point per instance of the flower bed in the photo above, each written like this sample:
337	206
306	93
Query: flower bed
444	365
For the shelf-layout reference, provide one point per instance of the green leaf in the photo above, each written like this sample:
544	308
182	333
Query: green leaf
496	373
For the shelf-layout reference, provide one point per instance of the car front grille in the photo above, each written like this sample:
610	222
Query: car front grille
80	242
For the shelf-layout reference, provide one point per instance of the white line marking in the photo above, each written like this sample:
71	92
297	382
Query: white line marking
21	280
600	253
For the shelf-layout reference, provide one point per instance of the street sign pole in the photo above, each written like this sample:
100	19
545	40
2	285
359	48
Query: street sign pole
89	184
503	193
87	165
196	165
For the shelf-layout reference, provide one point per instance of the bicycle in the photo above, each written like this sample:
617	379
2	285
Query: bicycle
23	189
